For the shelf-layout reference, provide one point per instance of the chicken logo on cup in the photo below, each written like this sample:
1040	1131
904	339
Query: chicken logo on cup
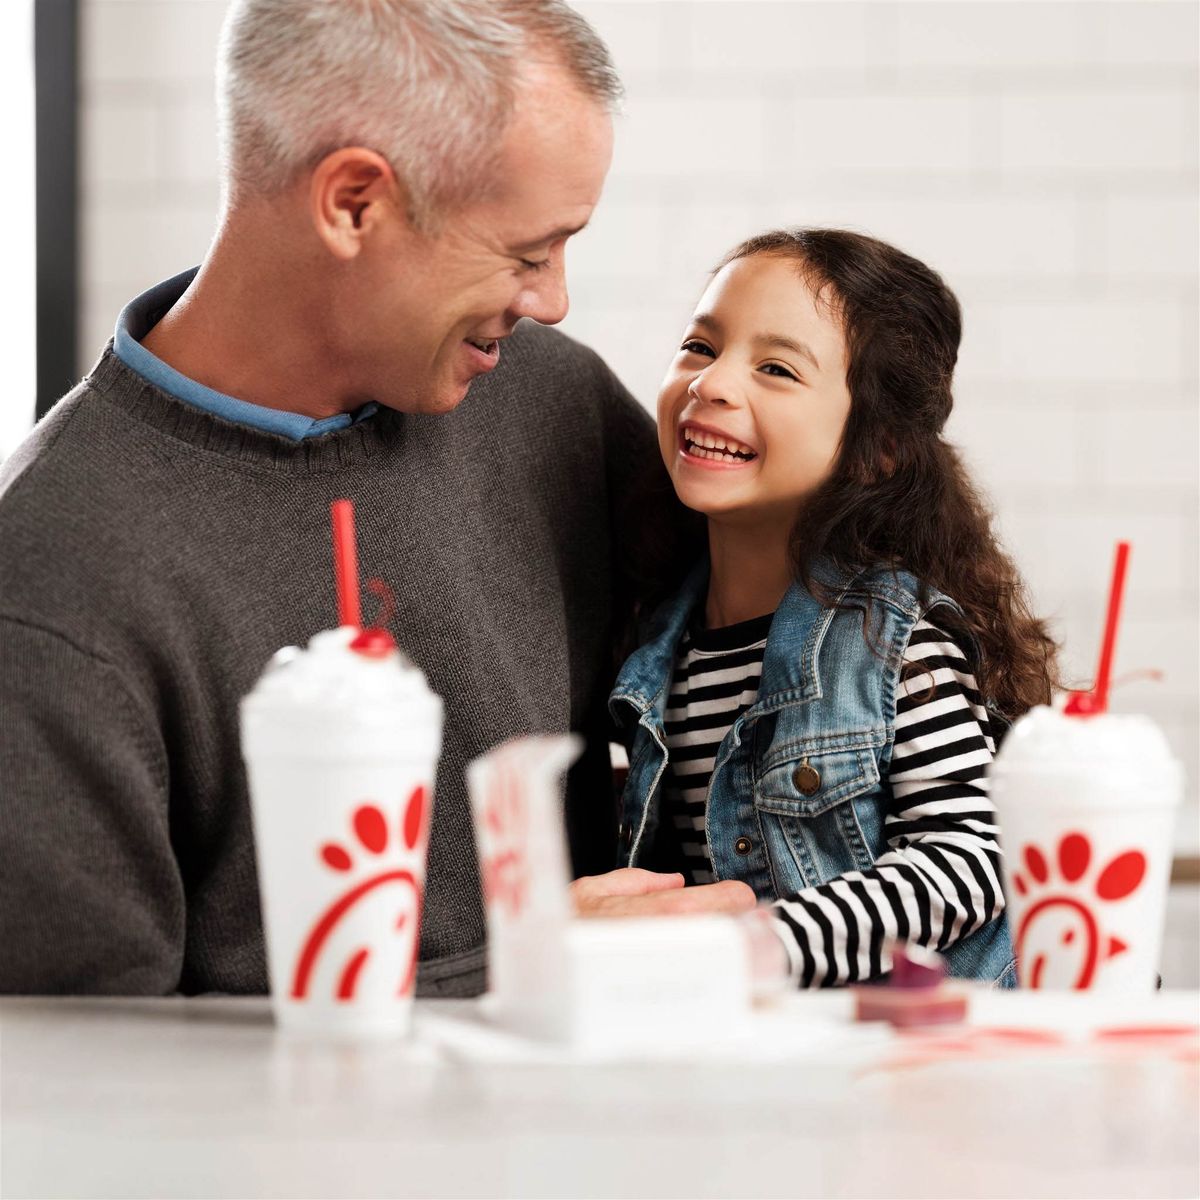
1065	923
393	887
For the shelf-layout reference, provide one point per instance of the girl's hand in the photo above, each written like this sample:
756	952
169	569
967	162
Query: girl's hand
633	892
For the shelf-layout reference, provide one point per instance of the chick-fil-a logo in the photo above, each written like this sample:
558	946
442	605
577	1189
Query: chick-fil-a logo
1064	919
374	836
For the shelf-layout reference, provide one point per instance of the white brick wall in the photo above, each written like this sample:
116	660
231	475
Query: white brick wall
149	181
990	37
1042	156
1097	131
143	41
1054	336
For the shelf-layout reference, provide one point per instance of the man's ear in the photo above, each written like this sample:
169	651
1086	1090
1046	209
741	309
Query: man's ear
354	193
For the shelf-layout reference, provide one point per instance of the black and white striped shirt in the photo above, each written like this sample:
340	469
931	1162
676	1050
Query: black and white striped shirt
938	879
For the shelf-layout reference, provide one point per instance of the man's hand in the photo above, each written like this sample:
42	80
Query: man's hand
632	892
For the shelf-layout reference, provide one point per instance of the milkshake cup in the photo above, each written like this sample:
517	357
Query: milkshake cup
1087	809
1086	801
341	742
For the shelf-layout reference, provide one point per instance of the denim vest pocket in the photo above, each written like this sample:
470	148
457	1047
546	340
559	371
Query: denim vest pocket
839	767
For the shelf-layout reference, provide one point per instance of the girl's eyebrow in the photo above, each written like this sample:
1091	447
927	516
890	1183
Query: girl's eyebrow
776	341
786	343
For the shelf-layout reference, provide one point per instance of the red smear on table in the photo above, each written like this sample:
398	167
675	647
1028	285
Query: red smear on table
1018	1036
1144	1033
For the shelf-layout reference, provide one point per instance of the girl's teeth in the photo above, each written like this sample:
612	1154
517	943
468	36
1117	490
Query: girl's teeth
699	451
706	445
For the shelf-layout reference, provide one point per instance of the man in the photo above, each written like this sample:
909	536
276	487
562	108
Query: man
400	179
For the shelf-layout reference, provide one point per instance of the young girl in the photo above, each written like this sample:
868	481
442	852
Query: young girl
815	711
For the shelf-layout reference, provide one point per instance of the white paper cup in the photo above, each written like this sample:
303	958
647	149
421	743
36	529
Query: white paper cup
1086	808
341	752
520	836
619	985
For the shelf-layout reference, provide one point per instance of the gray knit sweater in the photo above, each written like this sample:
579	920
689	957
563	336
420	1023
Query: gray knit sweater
153	557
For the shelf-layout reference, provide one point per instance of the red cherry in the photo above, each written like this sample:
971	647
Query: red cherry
374	643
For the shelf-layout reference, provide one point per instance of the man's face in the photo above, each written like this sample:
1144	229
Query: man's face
438	306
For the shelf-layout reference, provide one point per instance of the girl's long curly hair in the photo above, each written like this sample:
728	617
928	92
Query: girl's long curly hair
899	495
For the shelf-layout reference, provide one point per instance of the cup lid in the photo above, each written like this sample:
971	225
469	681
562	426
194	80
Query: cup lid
1048	739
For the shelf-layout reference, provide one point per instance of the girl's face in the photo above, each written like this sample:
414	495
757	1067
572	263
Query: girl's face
751	413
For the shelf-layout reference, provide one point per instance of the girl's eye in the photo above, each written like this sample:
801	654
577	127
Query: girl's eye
532	265
694	347
779	370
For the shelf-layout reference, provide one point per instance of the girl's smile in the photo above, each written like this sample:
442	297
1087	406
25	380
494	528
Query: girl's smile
752	409
706	446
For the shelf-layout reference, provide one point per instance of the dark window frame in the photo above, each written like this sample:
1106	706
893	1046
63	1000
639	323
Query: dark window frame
56	101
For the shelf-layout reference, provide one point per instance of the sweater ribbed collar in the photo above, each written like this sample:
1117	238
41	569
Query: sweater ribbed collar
253	448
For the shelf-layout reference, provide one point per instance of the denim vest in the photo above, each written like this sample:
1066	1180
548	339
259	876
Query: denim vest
826	699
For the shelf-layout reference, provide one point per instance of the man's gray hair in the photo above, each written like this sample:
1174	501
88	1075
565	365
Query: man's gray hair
428	84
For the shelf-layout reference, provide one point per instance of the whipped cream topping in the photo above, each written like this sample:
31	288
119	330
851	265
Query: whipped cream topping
1047	737
329	675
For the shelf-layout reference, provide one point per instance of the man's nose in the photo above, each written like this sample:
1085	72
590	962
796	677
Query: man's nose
545	298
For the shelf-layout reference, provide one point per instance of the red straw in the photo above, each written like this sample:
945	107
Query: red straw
345	564
1086	704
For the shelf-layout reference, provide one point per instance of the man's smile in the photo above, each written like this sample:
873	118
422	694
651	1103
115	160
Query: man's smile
484	353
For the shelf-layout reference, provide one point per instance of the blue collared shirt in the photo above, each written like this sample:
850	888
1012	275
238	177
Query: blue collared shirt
140	315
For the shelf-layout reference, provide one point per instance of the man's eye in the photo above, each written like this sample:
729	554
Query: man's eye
694	347
535	265
780	371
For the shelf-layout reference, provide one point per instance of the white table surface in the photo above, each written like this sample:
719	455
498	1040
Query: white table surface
173	1097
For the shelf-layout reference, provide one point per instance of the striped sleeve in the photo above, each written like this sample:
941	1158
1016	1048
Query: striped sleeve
939	878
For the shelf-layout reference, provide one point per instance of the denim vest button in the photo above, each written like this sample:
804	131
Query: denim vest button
807	779
743	845
625	834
